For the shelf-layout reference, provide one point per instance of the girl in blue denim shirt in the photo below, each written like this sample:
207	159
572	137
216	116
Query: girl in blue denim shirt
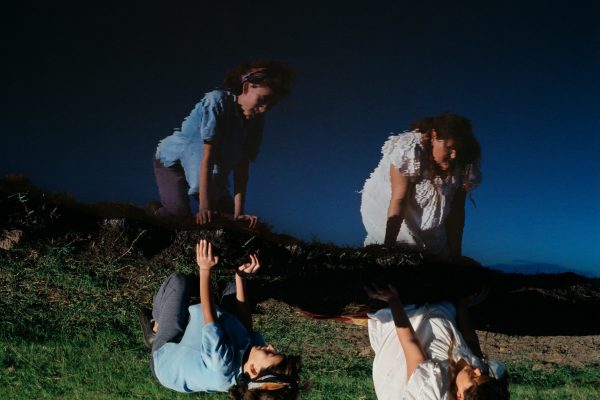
221	135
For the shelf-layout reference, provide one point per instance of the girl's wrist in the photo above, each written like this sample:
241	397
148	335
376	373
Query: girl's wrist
394	301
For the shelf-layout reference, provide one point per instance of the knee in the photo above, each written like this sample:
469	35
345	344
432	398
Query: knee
176	279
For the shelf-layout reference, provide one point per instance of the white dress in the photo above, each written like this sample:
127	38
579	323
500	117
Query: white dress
426	207
435	327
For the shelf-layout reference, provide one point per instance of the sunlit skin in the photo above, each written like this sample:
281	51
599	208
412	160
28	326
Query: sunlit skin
261	358
443	150
256	100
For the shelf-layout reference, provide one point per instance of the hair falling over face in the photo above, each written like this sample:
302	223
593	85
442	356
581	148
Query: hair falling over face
448	126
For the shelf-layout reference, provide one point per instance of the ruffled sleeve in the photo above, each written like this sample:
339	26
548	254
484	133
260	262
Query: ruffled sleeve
404	151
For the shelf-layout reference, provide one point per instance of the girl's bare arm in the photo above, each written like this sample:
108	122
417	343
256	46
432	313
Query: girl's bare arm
395	216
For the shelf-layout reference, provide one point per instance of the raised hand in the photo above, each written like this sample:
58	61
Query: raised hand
204	257
249	268
385	294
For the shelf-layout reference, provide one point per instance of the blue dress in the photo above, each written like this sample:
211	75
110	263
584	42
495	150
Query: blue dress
216	119
209	356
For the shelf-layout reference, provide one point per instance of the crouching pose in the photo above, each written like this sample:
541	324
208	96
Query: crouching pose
202	348
420	353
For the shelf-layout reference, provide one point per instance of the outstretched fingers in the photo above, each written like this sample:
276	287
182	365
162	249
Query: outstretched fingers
204	255
251	267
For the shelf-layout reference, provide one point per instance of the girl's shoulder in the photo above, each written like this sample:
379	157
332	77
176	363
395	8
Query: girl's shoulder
216	99
218	95
404	151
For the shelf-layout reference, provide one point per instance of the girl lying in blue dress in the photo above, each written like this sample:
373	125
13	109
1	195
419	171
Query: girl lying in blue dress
202	348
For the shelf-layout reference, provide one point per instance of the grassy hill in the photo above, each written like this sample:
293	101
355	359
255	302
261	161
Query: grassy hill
73	277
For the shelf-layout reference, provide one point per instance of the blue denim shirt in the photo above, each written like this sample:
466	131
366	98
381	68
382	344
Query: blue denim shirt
216	119
209	356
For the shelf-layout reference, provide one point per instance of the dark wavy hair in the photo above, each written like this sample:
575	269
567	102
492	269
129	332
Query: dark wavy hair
274	74
448	126
289	371
492	389
488	389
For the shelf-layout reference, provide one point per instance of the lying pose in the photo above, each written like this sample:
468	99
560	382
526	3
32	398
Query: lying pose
417	193
221	135
202	348
420	353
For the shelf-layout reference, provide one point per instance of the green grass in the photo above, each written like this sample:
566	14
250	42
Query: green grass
558	382
69	330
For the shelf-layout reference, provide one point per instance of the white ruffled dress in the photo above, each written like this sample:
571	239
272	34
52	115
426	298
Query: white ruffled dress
435	327
427	206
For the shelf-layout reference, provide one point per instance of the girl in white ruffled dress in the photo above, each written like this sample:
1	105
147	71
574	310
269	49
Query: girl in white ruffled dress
430	352
417	193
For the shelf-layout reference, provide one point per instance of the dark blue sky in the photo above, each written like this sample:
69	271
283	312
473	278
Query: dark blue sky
89	92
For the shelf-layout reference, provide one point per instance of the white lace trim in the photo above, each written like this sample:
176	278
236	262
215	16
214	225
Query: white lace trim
404	151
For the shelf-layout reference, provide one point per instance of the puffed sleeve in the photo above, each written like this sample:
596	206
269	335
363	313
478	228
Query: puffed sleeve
211	111
217	351
404	152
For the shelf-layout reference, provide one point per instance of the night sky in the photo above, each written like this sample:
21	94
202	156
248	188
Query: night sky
88	93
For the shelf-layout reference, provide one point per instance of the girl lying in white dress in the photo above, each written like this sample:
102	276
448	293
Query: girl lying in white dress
420	353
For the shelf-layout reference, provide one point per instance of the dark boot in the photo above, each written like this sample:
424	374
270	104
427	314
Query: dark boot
146	322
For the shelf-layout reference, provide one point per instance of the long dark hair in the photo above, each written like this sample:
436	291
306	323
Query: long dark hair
448	126
287	371
489	389
261	71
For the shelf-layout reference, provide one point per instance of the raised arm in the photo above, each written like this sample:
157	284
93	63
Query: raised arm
463	320
395	216
413	352
206	262
244	313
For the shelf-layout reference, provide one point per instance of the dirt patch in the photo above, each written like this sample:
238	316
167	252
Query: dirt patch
543	351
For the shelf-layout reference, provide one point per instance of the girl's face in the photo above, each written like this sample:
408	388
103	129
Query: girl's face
444	150
261	358
467	377
256	100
